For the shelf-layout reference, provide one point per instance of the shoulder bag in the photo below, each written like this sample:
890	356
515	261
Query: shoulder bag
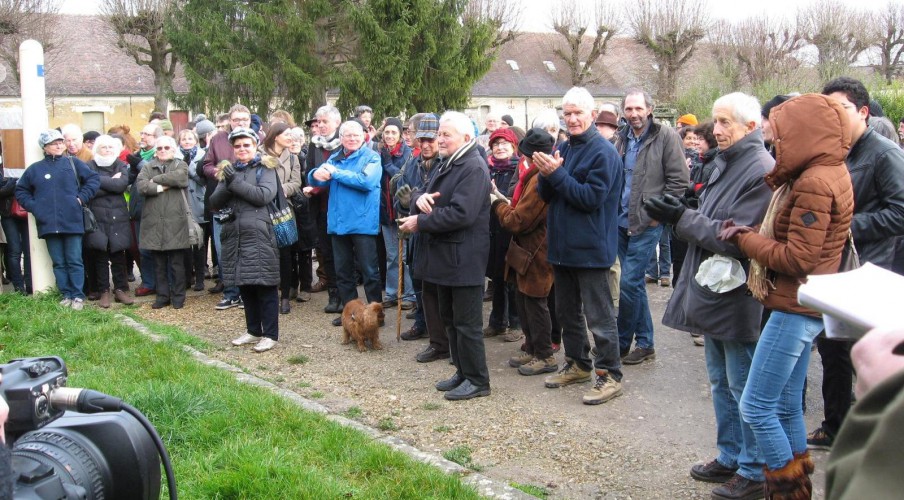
850	259
281	215
195	233
87	215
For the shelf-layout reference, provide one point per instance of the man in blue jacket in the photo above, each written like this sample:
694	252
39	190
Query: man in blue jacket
582	182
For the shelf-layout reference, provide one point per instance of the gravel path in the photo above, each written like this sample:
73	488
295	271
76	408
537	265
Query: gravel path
639	446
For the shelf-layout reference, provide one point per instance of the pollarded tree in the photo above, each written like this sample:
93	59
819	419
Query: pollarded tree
839	33
504	16
21	20
586	31
889	39
670	30
138	28
721	38
766	48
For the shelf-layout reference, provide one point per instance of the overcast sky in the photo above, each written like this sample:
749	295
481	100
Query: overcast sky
536	12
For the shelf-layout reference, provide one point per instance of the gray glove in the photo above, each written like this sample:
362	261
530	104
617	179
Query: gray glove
228	173
403	194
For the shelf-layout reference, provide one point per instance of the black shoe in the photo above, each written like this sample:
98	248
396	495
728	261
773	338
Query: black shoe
218	288
713	472
198	287
638	356
333	306
414	333
337	321
450	383
467	390
739	488
430	354
160	304
284	306
178	305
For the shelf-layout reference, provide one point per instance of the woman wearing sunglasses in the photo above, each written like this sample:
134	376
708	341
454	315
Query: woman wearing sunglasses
164	227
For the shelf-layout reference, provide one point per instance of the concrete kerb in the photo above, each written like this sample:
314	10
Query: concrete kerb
485	486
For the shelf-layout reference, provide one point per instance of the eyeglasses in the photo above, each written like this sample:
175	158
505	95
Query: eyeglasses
163	148
243	146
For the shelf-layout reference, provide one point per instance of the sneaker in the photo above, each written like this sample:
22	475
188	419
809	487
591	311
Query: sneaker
521	359
265	344
569	374
712	472
78	304
739	488
66	302
638	356
228	304
665	281
819	439
408	305
603	390
245	339
536	366
492	331
513	335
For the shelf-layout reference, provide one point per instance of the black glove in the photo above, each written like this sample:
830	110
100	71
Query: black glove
134	159
228	173
667	209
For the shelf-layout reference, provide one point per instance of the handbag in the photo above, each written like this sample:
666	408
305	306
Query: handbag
518	258
282	216
195	233
16	210
88	219
850	259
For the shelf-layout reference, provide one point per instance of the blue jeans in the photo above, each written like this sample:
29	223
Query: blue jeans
360	248
391	242
66	254
583	302
661	266
634	319
771	402
230	292
16	231
727	364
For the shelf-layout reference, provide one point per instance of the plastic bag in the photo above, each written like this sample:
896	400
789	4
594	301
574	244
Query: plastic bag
721	274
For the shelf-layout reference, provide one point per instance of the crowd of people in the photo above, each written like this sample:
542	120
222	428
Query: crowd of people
569	221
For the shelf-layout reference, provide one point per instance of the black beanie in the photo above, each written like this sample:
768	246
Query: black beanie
771	103
394	122
537	139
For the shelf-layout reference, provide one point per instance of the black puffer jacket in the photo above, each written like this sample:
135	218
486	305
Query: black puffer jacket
114	232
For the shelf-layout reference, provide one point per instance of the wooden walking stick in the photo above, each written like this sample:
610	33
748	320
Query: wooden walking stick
401	288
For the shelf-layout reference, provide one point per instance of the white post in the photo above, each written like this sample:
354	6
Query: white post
34	121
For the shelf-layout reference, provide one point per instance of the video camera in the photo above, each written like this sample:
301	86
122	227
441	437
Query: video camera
104	449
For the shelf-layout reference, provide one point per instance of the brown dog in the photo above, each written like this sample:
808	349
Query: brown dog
362	322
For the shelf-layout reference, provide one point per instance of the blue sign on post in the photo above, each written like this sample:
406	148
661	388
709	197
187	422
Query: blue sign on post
41	70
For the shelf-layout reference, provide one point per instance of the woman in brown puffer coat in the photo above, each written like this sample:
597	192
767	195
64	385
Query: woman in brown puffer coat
803	233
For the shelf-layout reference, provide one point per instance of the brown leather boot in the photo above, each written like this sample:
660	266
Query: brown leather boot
122	297
791	482
104	300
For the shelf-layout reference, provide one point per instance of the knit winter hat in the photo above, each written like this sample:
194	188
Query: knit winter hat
165	125
503	133
394	122
771	103
537	139
508	120
204	127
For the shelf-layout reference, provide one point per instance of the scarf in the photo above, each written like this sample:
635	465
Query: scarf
146	155
758	281
242	166
189	154
105	161
395	151
523	169
324	143
500	166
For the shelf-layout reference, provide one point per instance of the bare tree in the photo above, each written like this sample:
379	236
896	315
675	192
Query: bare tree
138	27
21	20
766	47
670	30
722	48
586	31
503	15
840	34
889	39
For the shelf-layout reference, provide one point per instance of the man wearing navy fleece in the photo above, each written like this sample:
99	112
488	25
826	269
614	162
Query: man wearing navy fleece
582	183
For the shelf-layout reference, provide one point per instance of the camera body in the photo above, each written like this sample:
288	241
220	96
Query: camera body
59	454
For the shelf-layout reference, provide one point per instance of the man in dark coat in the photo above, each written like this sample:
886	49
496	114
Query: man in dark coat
452	213
582	183
728	317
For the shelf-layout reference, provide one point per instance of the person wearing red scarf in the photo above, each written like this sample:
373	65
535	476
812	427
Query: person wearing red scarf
393	154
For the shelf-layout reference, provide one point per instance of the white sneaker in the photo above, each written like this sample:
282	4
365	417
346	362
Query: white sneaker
246	338
78	304
265	344
66	302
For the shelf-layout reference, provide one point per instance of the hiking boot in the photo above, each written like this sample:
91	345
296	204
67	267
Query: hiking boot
265	344
536	366
104	300
649	279
122	297
521	359
603	390
217	288
492	331
228	304
739	488
665	281
638	356
569	374
408	305
318	287
411	314
513	335
712	472
819	439
245	339
333	306
414	333
390	303
77	304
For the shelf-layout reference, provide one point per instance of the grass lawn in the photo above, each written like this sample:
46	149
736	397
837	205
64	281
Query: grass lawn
226	439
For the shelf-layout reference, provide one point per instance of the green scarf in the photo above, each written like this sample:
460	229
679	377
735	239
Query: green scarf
146	155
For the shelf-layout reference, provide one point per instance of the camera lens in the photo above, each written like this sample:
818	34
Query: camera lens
38	455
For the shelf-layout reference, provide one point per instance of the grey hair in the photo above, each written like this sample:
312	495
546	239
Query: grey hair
459	121
71	129
647	98
580	97
547	119
615	108
297	133
884	127
744	108
351	124
161	141
106	140
329	111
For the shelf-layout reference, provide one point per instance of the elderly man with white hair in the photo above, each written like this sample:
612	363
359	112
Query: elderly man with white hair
728	317
74	140
352	174
452	213
582	182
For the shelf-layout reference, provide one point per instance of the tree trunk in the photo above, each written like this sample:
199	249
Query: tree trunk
162	82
